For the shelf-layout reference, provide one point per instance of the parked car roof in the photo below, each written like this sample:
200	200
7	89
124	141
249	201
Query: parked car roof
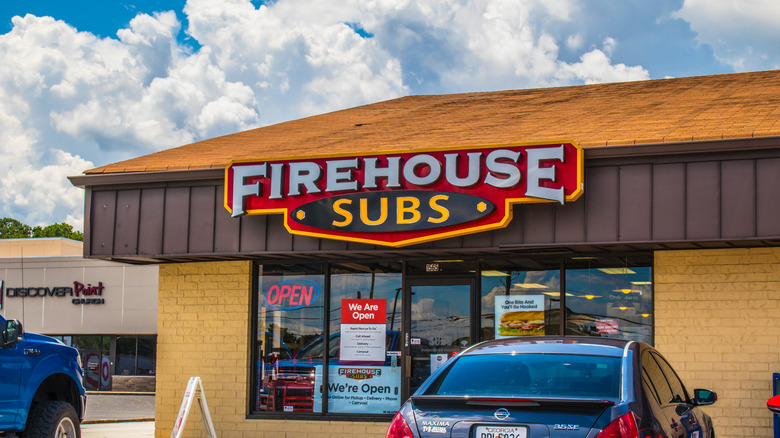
552	345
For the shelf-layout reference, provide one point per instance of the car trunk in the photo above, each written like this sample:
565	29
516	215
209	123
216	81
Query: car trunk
478	417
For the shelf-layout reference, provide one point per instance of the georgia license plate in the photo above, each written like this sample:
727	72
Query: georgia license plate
500	432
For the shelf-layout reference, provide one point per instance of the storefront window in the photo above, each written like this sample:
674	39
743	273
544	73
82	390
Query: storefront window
365	338
131	355
135	355
604	296
610	297
147	356
520	301
289	337
125	355
330	338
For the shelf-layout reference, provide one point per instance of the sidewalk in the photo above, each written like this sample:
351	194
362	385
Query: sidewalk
118	415
137	429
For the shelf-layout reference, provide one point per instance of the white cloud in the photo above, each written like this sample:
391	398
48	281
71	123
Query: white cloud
69	99
296	54
68	95
574	42
595	67
34	182
609	46
743	33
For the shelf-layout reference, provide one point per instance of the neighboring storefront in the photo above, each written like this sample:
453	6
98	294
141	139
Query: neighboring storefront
107	310
314	272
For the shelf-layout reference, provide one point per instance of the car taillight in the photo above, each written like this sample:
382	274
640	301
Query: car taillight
623	427
398	428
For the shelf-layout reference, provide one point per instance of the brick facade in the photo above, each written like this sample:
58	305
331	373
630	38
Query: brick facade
718	323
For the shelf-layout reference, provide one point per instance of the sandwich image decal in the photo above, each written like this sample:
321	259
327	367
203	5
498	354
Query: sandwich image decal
519	315
522	323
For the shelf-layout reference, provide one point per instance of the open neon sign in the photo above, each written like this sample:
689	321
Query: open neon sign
291	294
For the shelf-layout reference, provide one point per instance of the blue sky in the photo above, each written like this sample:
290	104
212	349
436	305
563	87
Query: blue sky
85	83
103	18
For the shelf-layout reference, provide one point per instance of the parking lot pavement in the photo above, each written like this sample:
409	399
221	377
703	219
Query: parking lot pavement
118	415
132	429
108	406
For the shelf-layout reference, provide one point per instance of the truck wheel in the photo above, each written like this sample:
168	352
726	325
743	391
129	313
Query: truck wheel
53	419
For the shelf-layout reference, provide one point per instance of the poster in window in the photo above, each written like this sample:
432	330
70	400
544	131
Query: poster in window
365	390
519	315
363	327
607	326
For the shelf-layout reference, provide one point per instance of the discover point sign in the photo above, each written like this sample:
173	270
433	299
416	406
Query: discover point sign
408	197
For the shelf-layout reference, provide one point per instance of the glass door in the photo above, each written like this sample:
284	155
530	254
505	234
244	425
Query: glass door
439	325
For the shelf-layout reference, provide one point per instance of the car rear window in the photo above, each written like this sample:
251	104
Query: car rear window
533	375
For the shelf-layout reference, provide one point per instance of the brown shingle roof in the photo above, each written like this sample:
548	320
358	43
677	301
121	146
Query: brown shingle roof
738	105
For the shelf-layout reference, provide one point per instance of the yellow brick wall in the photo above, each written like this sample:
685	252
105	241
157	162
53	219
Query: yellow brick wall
718	323
203	330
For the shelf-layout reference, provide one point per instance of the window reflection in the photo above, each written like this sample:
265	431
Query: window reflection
92	350
299	370
520	299
291	348
353	284
290	315
125	355
609	297
604	296
134	355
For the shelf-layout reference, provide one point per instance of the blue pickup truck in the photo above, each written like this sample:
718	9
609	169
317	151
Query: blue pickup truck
41	391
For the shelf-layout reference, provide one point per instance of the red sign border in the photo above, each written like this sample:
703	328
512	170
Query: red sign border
433	236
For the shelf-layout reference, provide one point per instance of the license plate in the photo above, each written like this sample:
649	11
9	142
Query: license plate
501	432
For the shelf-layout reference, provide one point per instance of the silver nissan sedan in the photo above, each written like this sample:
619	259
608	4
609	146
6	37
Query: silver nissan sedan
547	387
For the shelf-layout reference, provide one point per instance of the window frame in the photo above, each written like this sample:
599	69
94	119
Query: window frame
645	259
256	301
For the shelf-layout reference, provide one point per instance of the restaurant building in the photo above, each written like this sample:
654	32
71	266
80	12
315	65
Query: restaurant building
106	310
314	272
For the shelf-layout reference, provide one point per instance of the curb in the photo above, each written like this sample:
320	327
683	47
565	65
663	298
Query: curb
119	393
117	420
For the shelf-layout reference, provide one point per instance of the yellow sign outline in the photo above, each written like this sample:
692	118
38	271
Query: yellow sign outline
509	202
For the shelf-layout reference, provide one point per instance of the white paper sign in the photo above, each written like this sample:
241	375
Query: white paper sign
362	343
437	360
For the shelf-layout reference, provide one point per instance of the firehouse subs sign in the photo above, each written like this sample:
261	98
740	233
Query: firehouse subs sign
403	198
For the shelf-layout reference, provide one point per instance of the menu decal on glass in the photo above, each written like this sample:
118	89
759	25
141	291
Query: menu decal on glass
519	315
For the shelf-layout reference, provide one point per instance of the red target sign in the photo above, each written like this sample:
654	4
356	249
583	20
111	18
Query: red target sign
105	372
